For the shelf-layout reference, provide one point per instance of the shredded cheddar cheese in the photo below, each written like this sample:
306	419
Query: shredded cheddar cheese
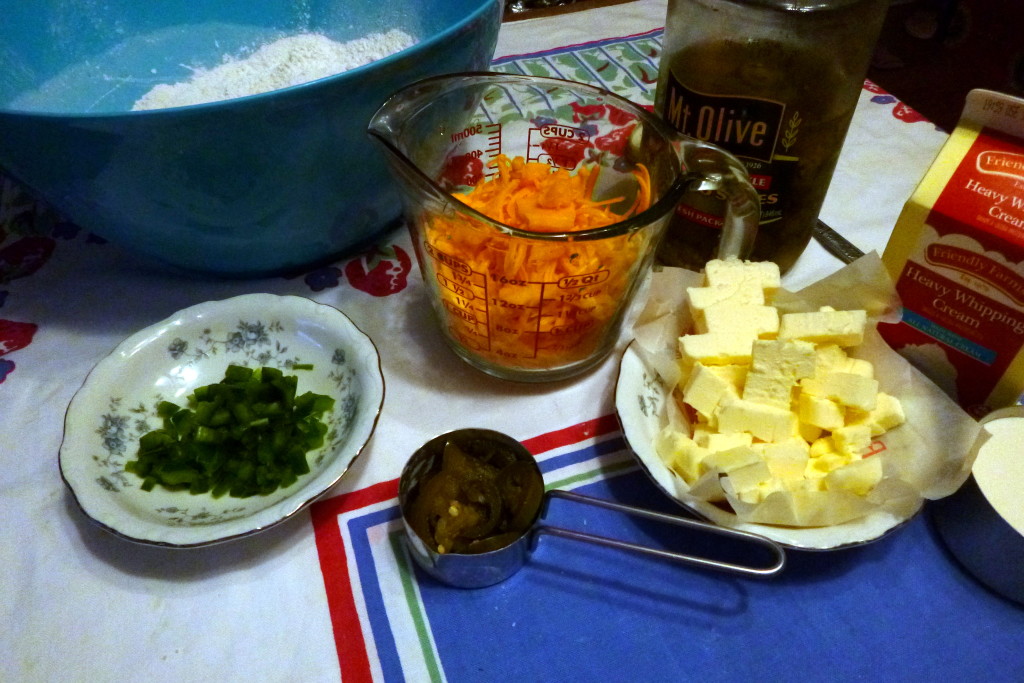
536	303
533	196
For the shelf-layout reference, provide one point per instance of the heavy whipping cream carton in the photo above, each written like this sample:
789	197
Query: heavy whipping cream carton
957	256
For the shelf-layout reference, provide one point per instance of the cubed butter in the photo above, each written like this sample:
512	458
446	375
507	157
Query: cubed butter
750	320
769	388
765	273
742	292
887	414
845	388
820	466
821	446
820	412
768	423
779	404
794	360
716	348
729	460
707	385
805	484
750	476
808	432
680	453
852	441
858	477
786	459
719	441
833	358
826	326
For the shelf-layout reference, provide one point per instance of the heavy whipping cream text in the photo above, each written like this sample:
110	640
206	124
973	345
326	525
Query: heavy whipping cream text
957	254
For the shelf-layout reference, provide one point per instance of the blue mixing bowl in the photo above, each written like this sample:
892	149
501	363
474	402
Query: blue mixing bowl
256	185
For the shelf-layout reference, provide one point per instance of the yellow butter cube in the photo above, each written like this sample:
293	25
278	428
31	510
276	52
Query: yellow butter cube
728	460
828	358
717	441
786	459
752	320
858	366
707	385
715	348
887	414
765	422
826	326
752	494
821	446
722	271
833	358
823	464
741	292
858	477
749	477
852	440
820	412
805	484
680	453
701	432
845	388
808	432
770	389
793	360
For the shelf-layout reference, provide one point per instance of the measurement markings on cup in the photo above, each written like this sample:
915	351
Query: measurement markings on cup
487	311
493	133
464	297
492	146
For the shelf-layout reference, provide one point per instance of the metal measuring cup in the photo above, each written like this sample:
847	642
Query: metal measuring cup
477	570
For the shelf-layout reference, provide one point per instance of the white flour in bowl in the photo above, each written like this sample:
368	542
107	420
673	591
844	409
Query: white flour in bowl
285	62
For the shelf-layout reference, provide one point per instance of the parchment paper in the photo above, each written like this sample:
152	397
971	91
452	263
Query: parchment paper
928	457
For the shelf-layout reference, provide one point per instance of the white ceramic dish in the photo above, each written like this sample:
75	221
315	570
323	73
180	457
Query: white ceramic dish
640	401
192	348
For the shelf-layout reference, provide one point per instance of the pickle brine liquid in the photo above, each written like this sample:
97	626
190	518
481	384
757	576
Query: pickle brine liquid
775	87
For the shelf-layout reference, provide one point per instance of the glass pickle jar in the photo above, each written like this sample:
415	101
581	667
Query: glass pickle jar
776	83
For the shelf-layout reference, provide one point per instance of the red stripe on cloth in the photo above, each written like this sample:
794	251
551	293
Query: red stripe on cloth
574	434
348	633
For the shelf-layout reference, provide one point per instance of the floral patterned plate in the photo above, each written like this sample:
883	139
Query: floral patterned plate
641	401
192	348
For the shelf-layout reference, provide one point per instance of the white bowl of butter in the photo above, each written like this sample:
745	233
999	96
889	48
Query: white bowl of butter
715	404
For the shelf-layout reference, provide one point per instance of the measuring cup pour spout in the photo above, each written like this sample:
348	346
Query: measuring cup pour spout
533	294
393	126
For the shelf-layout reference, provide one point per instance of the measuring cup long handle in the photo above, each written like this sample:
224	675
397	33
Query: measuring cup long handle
777	551
707	167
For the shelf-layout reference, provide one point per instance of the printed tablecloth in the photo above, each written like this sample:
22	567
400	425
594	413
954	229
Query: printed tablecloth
331	594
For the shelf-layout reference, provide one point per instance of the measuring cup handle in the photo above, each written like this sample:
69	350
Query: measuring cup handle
777	551
707	167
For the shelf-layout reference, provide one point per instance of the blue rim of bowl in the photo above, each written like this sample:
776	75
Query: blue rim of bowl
298	505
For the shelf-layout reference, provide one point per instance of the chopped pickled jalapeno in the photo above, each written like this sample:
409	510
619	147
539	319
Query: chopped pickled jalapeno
246	435
481	498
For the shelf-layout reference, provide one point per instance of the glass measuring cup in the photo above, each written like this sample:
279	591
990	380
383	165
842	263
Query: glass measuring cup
535	305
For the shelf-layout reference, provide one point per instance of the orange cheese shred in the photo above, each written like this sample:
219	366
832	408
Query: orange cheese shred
534	196
536	303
